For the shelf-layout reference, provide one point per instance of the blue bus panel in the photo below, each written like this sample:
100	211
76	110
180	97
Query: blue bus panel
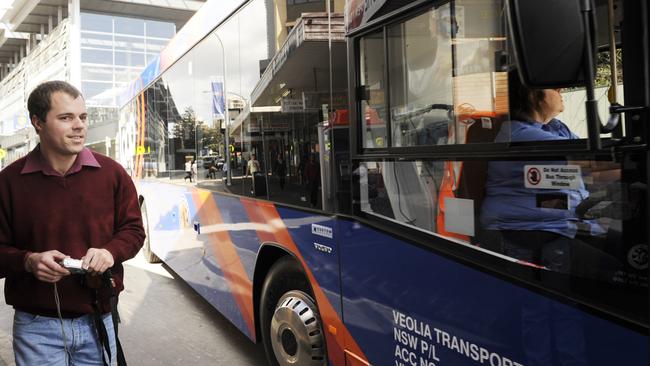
383	301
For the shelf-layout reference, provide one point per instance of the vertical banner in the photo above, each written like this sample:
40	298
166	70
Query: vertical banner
218	100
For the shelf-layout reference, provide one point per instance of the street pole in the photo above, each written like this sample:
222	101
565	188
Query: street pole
226	114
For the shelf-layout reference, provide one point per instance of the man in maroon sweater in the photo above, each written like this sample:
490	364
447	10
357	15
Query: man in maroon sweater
63	200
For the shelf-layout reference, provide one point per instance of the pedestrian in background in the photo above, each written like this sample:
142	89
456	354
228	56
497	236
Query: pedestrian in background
188	170
212	171
224	171
63	200
312	180
253	167
281	170
193	173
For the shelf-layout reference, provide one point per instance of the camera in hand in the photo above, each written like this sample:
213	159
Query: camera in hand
75	266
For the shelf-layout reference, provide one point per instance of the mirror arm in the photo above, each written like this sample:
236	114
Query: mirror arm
615	111
613	67
614	116
591	104
612	121
594	123
617	108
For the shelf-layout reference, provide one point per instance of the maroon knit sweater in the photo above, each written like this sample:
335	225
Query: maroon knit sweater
94	207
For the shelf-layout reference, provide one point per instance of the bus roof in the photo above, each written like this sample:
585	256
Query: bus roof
206	19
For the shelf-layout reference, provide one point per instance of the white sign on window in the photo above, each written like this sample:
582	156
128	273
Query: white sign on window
553	176
290	105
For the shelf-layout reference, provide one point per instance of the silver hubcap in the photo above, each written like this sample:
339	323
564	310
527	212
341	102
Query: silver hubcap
296	333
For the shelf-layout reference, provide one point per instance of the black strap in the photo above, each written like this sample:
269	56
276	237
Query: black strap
101	329
121	361
103	334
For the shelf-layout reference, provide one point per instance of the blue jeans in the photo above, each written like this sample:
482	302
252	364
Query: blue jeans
38	340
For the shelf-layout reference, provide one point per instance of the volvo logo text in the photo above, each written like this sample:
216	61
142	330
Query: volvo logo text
323	248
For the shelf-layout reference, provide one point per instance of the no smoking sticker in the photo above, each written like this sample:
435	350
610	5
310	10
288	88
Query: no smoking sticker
533	176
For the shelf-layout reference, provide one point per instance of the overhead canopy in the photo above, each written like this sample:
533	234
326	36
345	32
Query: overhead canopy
246	113
24	17
302	64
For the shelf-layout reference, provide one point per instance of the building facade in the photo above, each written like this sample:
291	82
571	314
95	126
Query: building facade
98	46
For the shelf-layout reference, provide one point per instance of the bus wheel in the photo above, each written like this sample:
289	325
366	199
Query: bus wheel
146	247
290	324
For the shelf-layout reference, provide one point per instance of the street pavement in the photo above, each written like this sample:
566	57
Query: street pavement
164	323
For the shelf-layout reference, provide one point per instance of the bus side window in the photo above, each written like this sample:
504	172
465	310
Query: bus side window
405	192
373	108
466	180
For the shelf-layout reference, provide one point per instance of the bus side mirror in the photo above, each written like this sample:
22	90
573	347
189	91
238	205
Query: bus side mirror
554	42
548	38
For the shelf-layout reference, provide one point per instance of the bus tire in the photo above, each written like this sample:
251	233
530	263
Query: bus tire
291	328
149	256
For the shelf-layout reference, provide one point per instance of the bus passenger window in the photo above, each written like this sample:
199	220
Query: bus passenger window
589	228
373	107
445	76
573	217
405	192
519	215
420	50
575	115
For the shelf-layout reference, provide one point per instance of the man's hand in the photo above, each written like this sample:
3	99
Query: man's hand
97	261
45	266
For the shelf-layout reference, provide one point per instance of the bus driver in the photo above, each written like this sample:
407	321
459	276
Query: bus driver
539	226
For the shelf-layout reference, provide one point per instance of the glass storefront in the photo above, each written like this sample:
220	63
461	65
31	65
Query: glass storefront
114	50
285	119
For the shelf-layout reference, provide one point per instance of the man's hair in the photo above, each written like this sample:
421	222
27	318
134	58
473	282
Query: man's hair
523	101
40	99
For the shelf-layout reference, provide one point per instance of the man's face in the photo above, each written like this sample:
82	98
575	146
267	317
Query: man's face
64	131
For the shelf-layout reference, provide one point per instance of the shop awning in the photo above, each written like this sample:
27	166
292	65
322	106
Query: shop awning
302	63
236	124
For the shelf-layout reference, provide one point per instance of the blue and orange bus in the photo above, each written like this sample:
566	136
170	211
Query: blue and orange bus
371	190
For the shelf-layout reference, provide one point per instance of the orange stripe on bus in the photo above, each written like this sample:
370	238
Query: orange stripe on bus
225	252
138	116
141	118
343	340
256	216
142	127
137	163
